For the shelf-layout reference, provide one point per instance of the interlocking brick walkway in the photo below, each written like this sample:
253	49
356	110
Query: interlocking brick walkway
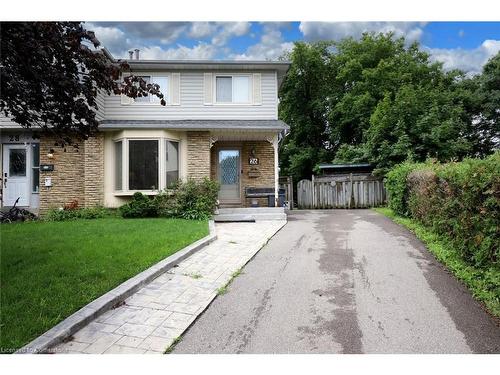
152	318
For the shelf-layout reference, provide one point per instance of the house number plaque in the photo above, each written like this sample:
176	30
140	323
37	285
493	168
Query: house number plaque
253	161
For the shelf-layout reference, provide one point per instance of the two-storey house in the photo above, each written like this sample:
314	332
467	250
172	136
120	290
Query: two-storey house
220	121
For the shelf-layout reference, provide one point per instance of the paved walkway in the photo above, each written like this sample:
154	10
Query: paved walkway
343	281
150	320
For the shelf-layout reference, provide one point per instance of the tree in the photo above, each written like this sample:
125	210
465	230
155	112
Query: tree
486	107
51	73
303	106
379	100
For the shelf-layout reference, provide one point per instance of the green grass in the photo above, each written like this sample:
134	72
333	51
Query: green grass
225	288
484	283
49	270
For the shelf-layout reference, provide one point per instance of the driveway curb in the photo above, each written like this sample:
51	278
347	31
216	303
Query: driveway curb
86	314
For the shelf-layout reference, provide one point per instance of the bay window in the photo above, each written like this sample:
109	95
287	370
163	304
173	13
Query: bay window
171	163
232	89
145	164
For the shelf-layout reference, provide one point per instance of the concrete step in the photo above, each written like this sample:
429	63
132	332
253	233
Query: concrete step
231	217
251	210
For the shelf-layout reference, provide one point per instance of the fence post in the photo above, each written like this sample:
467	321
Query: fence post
313	192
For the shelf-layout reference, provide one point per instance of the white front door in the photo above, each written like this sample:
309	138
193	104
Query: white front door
16	181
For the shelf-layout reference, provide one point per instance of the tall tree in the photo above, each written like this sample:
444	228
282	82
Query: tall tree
379	100
51	73
303	106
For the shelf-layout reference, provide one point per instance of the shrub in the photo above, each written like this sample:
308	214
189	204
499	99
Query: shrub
458	200
397	187
140	206
187	200
76	213
193	200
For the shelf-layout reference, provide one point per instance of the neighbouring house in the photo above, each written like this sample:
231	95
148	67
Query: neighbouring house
220	121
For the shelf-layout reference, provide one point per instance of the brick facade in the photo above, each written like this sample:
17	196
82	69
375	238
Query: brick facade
198	155
78	173
261	175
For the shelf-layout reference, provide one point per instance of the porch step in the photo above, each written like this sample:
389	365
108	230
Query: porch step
250	214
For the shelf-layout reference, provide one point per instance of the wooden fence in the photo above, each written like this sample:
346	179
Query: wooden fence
340	194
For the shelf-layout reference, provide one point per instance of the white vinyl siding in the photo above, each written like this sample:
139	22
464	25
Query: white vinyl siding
197	102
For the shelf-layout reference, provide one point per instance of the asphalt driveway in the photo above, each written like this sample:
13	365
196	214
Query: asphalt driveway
343	281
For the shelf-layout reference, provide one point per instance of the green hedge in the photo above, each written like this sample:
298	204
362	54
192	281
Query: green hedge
460	200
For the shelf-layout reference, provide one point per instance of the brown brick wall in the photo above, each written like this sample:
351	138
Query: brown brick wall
265	170
78	173
94	171
198	155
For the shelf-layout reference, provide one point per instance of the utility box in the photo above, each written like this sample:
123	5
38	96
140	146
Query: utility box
281	199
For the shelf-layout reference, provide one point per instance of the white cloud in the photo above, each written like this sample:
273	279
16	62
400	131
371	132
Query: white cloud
110	37
229	30
201	51
313	31
270	47
470	61
202	29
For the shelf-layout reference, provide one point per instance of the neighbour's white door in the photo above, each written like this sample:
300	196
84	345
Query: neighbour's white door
16	180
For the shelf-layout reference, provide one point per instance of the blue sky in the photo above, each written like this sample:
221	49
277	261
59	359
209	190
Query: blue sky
463	45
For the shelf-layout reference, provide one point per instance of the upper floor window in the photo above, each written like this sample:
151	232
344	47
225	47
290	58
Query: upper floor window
162	81
232	89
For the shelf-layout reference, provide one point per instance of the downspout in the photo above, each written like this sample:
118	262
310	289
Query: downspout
276	140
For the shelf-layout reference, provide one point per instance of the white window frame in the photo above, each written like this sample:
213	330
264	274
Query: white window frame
153	99
162	176
232	75
35	167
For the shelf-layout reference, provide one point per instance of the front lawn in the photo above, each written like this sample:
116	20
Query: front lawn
49	270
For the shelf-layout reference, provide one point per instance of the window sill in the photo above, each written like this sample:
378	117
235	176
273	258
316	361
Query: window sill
132	192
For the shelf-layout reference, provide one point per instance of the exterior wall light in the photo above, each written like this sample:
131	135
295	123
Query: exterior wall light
50	154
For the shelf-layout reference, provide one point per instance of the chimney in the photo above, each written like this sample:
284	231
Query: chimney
130	55
137	53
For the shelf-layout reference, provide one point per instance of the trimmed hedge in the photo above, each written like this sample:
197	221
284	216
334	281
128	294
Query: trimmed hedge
460	200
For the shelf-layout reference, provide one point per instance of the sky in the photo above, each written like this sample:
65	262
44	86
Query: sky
463	45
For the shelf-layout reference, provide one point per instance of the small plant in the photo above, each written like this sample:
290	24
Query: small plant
224	289
140	206
193	275
62	214
172	345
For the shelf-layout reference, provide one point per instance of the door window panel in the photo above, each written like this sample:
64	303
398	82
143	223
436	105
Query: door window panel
17	162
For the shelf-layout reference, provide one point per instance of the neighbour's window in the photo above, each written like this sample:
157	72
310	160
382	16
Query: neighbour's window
144	99
171	163
35	166
118	165
232	89
143	165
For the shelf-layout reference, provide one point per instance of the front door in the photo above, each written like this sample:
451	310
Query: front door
15	175
229	175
